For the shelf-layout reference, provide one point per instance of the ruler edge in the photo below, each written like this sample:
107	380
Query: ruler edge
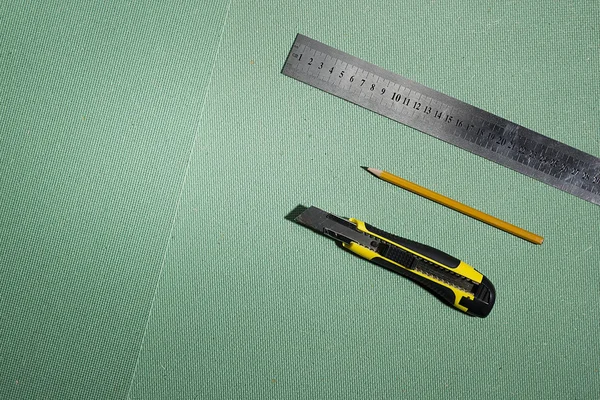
495	157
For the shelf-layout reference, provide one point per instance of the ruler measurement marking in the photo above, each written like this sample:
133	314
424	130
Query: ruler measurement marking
473	129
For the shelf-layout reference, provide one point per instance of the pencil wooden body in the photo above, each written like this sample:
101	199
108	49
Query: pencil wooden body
457	206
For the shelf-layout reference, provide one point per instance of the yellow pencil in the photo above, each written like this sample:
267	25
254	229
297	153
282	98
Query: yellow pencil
455	205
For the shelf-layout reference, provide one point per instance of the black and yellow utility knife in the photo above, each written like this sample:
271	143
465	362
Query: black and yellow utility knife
453	281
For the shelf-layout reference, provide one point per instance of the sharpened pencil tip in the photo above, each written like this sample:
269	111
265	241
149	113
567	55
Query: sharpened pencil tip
374	171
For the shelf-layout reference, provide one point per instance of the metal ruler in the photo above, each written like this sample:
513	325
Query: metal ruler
444	117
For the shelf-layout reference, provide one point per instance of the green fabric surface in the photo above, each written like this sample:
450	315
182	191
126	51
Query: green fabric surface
99	108
149	155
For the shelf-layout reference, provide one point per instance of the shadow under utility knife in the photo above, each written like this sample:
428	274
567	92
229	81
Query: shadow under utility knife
451	280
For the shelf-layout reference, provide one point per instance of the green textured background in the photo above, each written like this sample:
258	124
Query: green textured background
149	154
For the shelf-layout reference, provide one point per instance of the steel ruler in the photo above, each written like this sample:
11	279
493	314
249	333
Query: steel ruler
444	117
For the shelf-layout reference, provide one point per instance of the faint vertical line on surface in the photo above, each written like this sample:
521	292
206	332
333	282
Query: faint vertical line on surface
178	203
